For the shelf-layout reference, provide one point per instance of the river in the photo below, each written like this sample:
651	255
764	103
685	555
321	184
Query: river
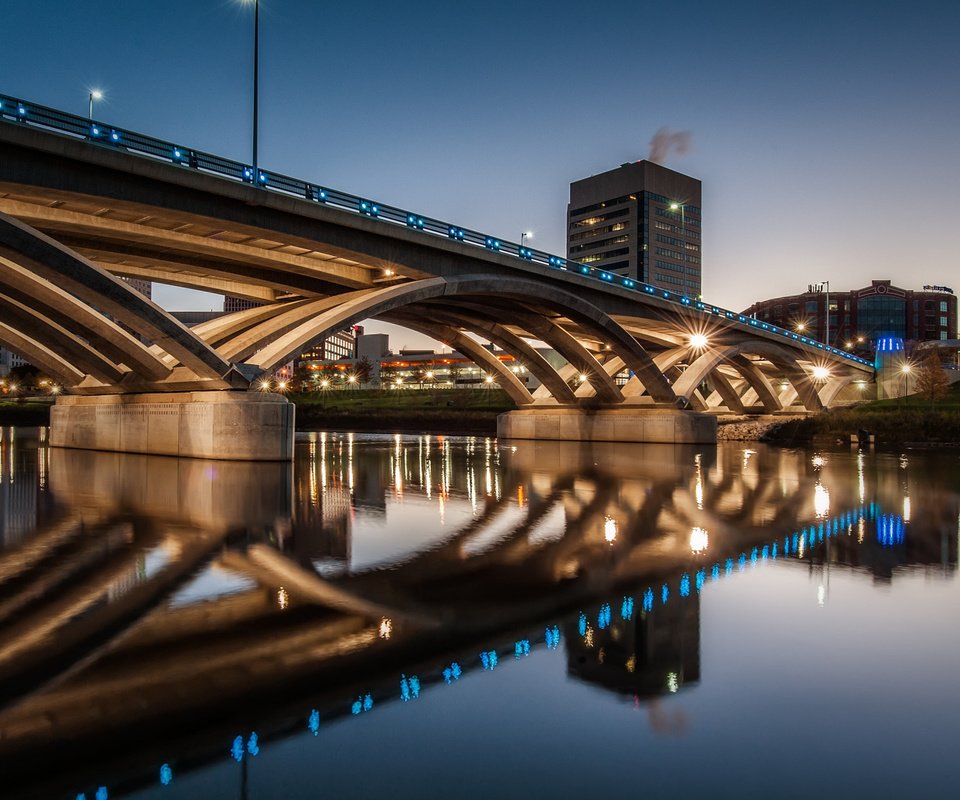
426	616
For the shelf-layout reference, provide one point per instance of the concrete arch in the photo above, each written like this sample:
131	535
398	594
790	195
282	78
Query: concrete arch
481	356
380	301
55	263
72	349
712	358
80	320
833	387
40	355
535	363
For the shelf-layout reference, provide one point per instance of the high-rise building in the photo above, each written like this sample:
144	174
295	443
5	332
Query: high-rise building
640	220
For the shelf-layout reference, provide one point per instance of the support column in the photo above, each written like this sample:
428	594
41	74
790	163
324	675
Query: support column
232	426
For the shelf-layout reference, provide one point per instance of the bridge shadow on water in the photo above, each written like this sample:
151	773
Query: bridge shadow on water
152	608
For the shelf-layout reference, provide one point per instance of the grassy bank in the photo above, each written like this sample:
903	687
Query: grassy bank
25	412
910	420
427	410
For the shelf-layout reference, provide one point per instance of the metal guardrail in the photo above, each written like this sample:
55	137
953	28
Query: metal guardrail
14	110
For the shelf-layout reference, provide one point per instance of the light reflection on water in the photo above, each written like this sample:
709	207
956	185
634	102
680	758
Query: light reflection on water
170	628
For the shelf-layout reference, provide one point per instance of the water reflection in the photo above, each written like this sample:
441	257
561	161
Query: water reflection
157	615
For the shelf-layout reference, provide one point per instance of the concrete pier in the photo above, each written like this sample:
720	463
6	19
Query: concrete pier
233	426
625	424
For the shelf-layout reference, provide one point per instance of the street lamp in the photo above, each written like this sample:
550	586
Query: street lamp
905	370
95	94
525	235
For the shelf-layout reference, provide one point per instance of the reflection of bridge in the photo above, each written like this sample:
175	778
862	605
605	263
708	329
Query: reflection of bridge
100	657
82	202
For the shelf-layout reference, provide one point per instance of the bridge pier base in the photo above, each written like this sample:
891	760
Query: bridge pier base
232	426
622	424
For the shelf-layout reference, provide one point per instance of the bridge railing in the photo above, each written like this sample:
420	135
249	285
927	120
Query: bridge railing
14	110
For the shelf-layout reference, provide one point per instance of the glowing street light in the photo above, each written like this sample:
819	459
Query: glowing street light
821	373
95	94
698	341
256	80
699	538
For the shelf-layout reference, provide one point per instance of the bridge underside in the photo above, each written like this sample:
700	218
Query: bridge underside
634	367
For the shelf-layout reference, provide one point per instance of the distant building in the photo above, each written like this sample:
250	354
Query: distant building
144	287
640	220
861	317
234	304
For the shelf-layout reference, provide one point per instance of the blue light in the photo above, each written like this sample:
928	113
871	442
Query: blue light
114	136
552	637
455	233
176	153
629	284
21	111
236	749
414	687
313	722
603	617
94	130
582	624
261	177
82	796
102	793
664	594
728	566
626	608
701	577
413	221
742	562
404	688
685	585
166	774
356	708
367	702
715	573
648	600
369	209
585	270
489	659
253	745
491	244
521	648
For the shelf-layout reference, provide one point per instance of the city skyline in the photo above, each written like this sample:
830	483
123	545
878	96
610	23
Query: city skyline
792	113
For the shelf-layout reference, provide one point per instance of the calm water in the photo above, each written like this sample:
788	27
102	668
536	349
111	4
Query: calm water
449	617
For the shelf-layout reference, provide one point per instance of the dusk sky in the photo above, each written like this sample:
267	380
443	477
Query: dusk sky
825	133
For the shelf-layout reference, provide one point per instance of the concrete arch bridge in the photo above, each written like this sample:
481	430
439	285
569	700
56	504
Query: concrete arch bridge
84	204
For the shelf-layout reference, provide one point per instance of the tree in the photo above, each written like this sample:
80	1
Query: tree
931	380
363	370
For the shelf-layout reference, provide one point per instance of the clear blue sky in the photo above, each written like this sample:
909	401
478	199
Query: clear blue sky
825	133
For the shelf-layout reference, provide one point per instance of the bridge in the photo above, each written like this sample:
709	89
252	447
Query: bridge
84	204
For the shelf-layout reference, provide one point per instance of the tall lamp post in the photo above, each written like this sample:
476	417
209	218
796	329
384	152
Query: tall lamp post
525	235
95	94
256	81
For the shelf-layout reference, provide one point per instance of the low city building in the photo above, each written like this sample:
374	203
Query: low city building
858	319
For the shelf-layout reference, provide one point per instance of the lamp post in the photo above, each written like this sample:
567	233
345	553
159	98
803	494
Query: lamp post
525	235
95	94
905	371
256	81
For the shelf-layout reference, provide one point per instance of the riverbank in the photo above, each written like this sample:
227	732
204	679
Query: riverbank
904	422
25	412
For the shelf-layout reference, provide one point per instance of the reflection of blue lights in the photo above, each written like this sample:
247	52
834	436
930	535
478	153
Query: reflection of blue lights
409	687
253	745
715	573
626	608
753	557
166	774
552	637
603	618
742	562
102	793
648	600
452	673
582	624
367	702
664	594
521	648
313	722
701	577
728	566
489	659
890	530
684	585
361	704
237	749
